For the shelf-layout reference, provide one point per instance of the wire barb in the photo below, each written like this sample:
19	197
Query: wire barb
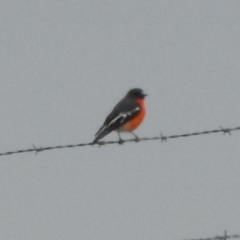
226	130
103	143
37	150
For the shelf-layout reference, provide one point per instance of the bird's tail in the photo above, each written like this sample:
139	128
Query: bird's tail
102	132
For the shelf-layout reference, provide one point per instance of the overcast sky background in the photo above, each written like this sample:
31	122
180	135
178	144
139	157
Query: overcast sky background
65	64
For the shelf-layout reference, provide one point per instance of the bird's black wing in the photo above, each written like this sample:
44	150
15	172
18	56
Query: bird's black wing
124	111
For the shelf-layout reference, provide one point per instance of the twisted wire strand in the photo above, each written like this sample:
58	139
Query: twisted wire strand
223	237
102	143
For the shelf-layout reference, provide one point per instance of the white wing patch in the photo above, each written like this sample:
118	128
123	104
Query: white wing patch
123	115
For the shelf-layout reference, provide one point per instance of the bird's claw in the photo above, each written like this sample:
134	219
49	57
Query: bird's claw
120	142
137	139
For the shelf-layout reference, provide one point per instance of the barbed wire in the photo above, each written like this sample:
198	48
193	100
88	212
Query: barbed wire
102	143
223	237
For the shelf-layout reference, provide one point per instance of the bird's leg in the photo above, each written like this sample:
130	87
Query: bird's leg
120	139
136	137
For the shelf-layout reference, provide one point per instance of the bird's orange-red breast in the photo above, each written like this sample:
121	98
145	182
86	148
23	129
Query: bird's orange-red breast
127	115
132	124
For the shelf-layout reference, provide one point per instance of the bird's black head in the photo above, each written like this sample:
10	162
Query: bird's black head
137	93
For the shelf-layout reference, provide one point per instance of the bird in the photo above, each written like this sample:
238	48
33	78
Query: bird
126	116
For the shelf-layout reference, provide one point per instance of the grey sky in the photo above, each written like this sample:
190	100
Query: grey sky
65	64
